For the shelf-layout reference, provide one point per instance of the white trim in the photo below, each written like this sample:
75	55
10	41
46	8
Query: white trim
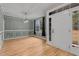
77	46
27	36
41	37
62	5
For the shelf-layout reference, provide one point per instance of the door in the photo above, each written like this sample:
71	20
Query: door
53	28
50	40
37	27
43	27
61	30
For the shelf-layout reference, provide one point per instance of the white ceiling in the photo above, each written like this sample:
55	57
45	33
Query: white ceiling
33	10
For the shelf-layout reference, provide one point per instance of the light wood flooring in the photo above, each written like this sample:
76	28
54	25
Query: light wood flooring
30	46
75	37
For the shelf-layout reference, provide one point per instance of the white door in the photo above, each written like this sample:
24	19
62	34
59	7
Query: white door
61	30
37	27
53	28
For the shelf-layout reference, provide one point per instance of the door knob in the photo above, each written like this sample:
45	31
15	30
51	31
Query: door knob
53	31
69	30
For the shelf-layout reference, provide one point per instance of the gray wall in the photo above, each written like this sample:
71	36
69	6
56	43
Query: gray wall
15	23
1	28
1	21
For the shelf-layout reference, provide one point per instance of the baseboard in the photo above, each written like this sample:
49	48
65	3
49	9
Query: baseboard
18	37
1	44
41	37
27	37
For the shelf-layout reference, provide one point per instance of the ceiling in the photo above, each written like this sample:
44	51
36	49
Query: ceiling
27	10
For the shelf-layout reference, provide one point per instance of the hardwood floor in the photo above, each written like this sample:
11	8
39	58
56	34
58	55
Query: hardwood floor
75	36
30	46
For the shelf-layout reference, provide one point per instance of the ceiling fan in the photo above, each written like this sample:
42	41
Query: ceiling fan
26	20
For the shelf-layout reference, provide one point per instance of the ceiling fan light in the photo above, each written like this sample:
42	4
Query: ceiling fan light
26	21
